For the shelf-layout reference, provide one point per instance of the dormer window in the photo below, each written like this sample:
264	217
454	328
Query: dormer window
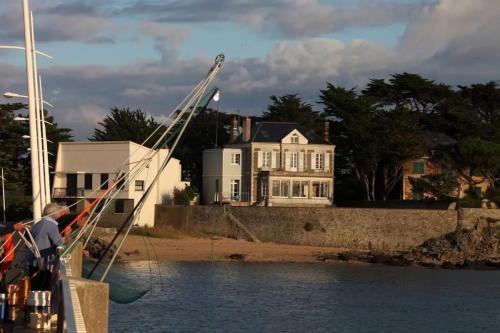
294	138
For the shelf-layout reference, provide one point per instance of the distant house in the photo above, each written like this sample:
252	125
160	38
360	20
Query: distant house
83	169
426	166
270	163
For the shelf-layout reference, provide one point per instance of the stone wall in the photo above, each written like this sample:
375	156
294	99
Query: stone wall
350	228
470	217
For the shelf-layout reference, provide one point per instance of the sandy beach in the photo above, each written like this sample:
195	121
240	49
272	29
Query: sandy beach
216	249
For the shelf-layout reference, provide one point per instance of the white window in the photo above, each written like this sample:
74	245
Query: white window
235	189
300	189
235	159
294	138
320	189
294	161
320	161
280	188
139	185
266	159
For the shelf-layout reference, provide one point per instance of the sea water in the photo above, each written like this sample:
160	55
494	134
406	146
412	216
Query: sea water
315	297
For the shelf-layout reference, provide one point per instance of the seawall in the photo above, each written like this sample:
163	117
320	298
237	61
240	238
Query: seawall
349	228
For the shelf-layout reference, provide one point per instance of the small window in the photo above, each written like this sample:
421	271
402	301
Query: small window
235	189
88	181
280	188
104	181
235	158
418	168
266	159
139	185
300	189
320	189
99	206
294	158
119	206
121	182
295	138
320	161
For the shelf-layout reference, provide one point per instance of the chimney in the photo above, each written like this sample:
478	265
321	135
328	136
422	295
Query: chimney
326	132
247	127
234	130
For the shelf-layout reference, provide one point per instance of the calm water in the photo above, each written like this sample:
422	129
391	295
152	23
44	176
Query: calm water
248	297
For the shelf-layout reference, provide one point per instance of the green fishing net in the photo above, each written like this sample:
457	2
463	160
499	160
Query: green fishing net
122	289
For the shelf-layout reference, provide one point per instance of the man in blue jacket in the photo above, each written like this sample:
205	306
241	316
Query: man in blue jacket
48	240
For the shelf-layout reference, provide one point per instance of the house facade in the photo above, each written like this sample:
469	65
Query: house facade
269	163
84	169
425	166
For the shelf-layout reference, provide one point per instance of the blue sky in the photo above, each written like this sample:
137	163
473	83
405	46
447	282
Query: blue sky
148	53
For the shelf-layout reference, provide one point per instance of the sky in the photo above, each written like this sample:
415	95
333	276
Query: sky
148	54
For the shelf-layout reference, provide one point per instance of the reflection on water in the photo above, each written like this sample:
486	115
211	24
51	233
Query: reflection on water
250	297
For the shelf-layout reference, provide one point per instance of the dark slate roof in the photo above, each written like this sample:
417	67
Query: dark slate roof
266	131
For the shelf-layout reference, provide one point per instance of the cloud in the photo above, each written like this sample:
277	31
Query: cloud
168	38
454	41
57	21
288	18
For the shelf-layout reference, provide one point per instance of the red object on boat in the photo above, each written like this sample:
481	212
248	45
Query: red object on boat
8	252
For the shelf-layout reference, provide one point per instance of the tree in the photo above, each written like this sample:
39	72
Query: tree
408	90
184	196
472	118
123	124
439	187
291	108
15	158
200	135
404	140
356	133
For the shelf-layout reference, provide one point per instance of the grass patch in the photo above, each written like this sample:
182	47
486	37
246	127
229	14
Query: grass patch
165	232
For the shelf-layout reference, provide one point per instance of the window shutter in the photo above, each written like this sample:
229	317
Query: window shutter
287	161
273	159
259	159
327	162
313	161
301	161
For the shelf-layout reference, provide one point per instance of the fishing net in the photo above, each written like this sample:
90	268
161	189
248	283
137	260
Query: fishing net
122	289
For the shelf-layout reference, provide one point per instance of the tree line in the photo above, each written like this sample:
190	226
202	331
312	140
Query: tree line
376	131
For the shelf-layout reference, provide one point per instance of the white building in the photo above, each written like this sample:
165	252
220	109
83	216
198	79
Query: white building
83	167
276	164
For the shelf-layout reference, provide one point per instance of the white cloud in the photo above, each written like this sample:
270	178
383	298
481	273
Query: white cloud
290	18
455	41
168	38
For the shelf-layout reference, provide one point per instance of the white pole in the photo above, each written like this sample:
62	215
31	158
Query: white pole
45	149
35	175
3	197
38	117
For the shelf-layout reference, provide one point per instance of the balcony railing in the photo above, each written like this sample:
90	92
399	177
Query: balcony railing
69	192
225	197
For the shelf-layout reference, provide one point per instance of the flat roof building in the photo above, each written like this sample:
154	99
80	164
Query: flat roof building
83	169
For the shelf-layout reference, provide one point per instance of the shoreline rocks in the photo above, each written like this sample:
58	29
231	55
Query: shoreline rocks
475	248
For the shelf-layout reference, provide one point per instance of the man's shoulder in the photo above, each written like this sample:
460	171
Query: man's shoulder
46	223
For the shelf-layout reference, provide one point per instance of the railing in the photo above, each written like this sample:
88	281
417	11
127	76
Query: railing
68	192
70	313
226	198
